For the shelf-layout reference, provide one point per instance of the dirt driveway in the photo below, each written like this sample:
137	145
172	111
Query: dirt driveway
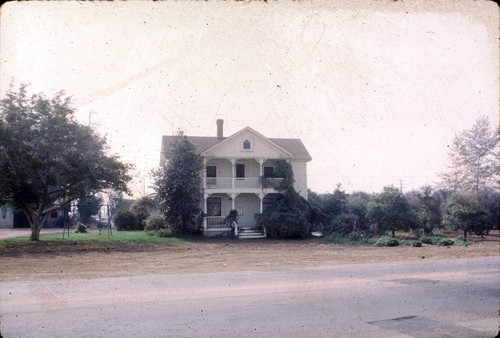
89	260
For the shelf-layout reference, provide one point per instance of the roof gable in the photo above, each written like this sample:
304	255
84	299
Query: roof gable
259	146
292	148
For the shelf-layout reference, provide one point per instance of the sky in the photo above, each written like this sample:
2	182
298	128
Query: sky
376	90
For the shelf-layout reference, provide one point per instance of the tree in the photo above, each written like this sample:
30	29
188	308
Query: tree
291	215
463	212
143	208
474	157
178	186
357	203
88	207
390	210
48	159
427	204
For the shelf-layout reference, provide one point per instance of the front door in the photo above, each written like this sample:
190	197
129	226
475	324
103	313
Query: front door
241	205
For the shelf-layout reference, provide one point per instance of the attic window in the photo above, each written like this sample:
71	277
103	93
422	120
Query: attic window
247	145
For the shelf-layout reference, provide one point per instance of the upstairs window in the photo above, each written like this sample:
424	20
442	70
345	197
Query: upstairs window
240	170
211	171
247	145
268	172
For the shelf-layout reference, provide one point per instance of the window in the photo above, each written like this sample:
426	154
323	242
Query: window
213	206
267	202
240	170
247	145
53	214
268	172
211	171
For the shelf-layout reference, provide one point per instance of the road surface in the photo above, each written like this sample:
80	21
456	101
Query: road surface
440	298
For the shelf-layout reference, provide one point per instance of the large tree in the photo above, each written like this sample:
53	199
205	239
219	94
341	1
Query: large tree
390	211
88	207
463	212
178	183
48	159
474	159
427	204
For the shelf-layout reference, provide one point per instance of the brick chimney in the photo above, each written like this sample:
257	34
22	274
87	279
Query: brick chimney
220	129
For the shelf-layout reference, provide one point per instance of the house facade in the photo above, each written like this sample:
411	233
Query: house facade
11	217
232	176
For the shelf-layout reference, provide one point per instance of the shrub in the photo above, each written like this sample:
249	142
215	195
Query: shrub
164	233
431	239
80	228
461	240
444	242
155	222
416	244
126	220
387	241
284	224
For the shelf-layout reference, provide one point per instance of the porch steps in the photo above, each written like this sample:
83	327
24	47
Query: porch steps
250	233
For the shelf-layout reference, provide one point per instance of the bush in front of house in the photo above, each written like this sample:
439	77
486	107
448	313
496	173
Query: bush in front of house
155	222
292	225
126	220
164	233
387	241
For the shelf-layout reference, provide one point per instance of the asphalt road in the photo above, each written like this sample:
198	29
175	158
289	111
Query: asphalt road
455	298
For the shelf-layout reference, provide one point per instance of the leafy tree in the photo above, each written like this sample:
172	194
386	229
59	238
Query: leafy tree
178	186
88	207
357	203
48	159
291	215
427	204
127	220
463	212
143	208
390	210
474	157
490	200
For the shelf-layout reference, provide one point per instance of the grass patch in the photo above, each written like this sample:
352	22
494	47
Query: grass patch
96	236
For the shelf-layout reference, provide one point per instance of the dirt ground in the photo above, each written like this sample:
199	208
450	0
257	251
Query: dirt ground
31	261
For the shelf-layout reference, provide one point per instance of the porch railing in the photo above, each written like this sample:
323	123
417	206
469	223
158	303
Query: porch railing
216	222
239	183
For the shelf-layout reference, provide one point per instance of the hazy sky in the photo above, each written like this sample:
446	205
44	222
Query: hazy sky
376	90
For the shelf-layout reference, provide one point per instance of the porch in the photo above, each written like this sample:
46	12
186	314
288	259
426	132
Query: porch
217	205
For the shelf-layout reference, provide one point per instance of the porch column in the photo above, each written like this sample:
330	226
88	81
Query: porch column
233	196
261	196
261	163
233	171
205	207
204	179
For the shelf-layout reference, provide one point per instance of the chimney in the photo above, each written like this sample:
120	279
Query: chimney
220	129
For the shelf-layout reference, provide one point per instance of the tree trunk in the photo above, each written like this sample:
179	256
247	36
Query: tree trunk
36	221
465	233
393	234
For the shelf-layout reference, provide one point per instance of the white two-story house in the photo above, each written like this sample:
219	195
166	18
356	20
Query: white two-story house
231	179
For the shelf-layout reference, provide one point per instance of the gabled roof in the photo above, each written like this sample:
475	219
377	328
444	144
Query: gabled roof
256	133
202	143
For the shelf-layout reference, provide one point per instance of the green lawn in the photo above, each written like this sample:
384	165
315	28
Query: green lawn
97	236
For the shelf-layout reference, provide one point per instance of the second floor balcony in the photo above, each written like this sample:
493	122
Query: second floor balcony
240	182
